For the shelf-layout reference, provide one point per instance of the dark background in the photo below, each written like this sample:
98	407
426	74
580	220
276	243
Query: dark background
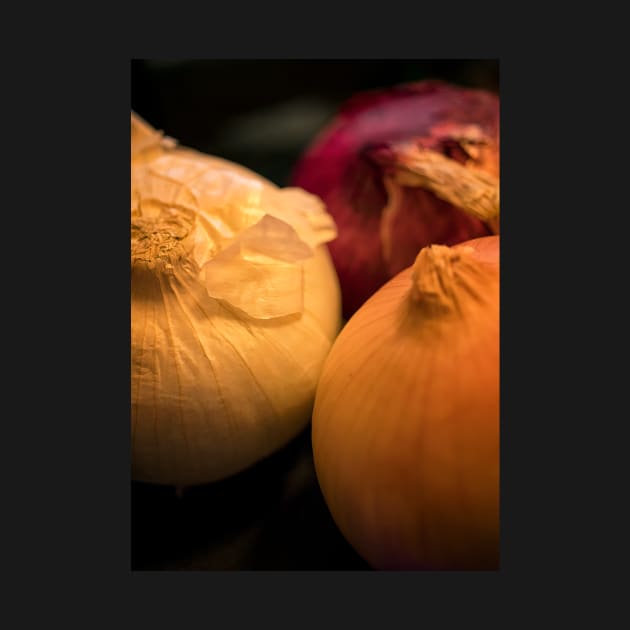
261	114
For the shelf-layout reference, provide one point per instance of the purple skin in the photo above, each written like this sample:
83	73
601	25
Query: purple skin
348	161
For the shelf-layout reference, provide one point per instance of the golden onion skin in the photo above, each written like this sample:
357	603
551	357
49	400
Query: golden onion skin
213	390
239	418
406	428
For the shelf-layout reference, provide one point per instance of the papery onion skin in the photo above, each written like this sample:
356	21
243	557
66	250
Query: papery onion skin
343	167
213	388
406	428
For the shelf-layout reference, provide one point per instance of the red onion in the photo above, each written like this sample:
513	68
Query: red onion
401	168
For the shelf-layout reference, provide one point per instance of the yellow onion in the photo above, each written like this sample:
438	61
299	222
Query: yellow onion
406	419
234	306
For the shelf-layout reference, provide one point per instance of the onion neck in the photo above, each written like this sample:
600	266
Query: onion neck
468	185
474	191
160	242
447	279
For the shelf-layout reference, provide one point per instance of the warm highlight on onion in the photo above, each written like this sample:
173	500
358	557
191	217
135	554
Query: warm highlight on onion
234	306
406	418
387	169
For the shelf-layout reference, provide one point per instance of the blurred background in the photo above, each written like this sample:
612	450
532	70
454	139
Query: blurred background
261	114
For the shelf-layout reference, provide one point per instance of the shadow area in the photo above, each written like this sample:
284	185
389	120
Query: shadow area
271	516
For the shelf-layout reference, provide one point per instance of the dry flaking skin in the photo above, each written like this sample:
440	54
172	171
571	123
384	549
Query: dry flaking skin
234	306
400	168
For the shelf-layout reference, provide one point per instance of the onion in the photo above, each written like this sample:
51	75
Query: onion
401	168
234	306
406	419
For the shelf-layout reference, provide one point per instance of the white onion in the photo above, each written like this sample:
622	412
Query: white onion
234	306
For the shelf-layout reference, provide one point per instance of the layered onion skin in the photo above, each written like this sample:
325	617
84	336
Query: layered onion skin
344	167
406	430
223	372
